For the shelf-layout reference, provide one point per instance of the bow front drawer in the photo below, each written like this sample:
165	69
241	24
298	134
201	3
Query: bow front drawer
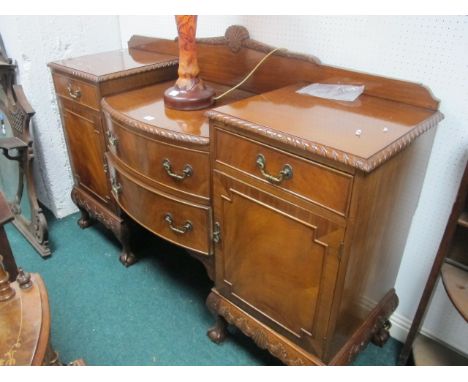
314	182
174	169
178	221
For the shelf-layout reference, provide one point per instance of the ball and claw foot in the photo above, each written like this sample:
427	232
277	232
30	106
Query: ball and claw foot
382	335
84	223
127	258
218	332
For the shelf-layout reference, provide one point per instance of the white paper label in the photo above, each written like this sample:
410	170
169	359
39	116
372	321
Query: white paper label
336	92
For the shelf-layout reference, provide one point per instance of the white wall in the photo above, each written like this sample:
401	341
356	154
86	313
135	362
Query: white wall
33	41
429	50
165	26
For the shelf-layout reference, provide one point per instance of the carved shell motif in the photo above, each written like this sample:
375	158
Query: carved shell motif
234	36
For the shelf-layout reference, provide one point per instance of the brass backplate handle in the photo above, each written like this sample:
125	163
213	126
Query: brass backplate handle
116	187
186	227
186	172
217	233
113	140
75	94
285	173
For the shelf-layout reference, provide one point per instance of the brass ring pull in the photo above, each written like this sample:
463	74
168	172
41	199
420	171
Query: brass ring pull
183	229
285	173
75	94
186	172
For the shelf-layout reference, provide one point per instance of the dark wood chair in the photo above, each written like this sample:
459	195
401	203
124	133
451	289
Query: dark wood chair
19	147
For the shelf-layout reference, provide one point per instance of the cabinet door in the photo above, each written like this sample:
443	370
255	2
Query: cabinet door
276	261
86	148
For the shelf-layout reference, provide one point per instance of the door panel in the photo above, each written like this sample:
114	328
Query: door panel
276	260
85	146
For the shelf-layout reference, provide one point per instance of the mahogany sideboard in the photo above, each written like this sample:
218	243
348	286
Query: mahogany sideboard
299	207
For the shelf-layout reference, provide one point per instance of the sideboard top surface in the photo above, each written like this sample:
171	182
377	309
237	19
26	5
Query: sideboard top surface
144	108
362	133
107	65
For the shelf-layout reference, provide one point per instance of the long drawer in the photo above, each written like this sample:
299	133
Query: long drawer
180	222
175	168
319	184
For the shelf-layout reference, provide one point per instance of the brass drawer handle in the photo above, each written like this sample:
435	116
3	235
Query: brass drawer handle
75	94
285	173
186	172
217	233
183	229
113	140
116	187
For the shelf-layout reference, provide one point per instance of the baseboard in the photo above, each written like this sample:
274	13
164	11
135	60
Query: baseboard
401	326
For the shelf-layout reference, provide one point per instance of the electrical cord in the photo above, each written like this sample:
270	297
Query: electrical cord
248	75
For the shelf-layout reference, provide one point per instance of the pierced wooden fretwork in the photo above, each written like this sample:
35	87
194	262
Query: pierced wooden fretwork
19	113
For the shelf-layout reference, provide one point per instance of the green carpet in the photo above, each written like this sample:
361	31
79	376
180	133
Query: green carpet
152	313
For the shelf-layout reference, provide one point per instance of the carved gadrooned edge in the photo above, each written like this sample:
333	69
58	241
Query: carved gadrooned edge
112	76
161	132
366	165
237	37
377	320
262	338
95	211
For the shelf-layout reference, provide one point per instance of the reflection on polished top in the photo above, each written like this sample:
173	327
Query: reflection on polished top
107	63
146	106
362	133
361	128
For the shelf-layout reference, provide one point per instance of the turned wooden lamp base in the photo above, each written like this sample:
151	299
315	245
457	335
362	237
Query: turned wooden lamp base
189	91
198	97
